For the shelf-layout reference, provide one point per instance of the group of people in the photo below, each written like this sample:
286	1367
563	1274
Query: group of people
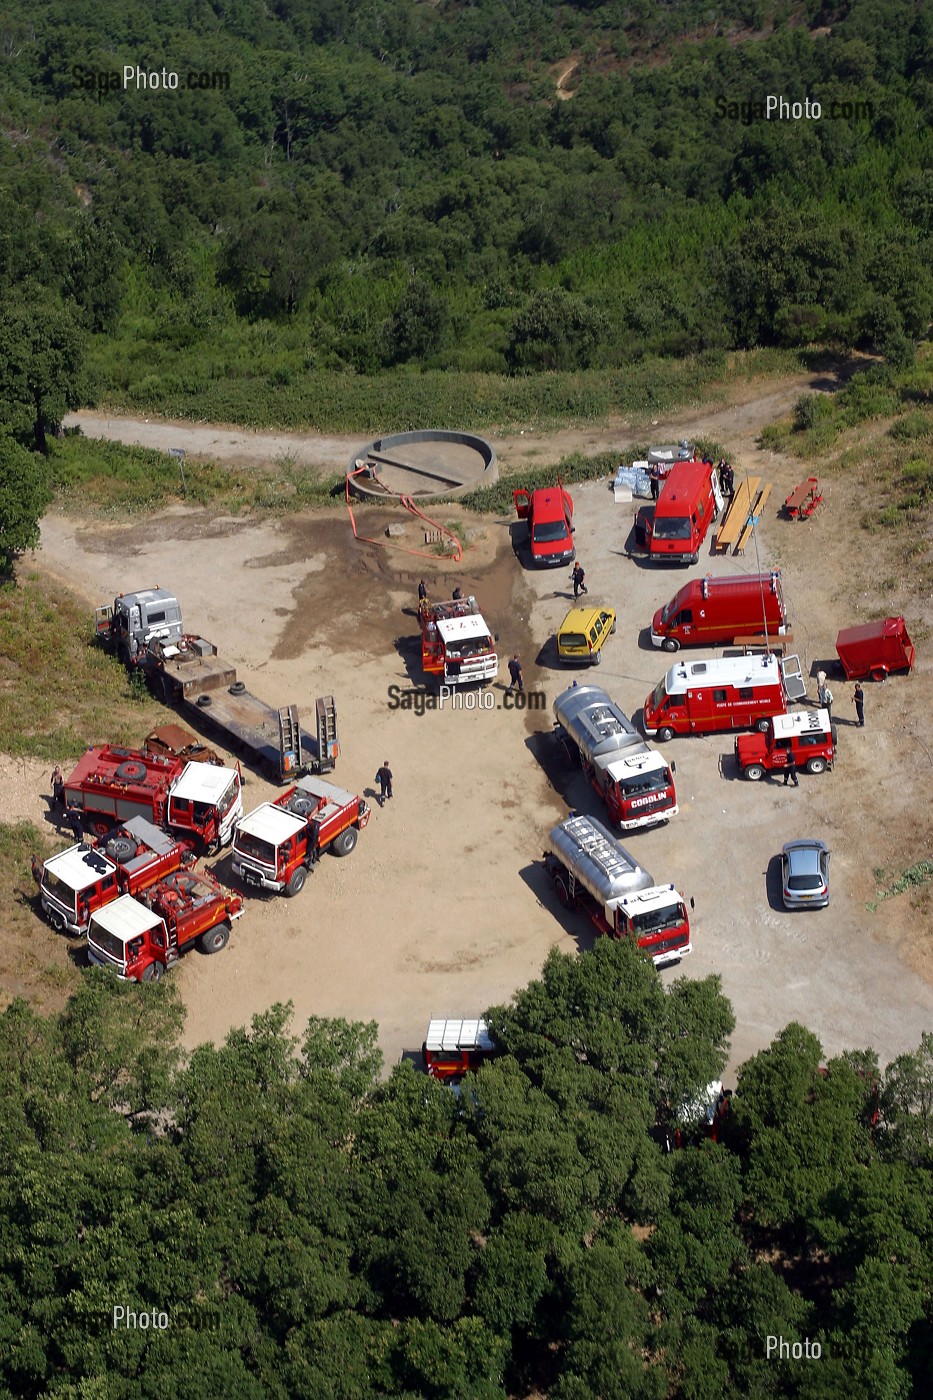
726	478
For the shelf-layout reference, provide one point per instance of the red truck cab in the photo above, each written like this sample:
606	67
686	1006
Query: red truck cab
139	938
76	882
807	734
549	512
452	1048
277	843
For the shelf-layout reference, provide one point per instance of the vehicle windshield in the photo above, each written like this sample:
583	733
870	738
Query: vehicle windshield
471	646
107	943
549	532
645	782
254	847
667	612
62	892
672	527
657	696
572	639
229	797
659	920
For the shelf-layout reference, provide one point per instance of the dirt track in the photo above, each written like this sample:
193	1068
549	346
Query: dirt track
442	908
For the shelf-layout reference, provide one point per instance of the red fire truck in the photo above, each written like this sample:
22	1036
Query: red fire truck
729	692
452	1048
713	611
594	873
139	938
456	644
634	781
277	843
807	734
195	799
76	882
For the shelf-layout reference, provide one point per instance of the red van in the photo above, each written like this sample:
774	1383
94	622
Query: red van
714	611
687	506
549	512
731	692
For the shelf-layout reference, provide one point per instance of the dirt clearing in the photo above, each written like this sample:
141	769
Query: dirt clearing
443	907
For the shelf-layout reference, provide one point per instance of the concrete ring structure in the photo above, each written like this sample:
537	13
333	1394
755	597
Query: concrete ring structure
430	463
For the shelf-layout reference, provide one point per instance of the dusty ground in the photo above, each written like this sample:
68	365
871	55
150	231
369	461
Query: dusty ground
442	908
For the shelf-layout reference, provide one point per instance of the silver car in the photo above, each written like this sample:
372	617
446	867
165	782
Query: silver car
805	875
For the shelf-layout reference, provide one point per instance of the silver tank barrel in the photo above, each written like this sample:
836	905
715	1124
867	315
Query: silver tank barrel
597	859
595	723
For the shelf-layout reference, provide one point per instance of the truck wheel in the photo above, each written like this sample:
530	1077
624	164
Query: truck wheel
670	644
123	655
664	734
215	940
297	882
754	772
163	690
597	658
612	629
101	826
816	765
302	806
152	972
346	841
693	559
879	673
57	920
121	849
562	892
131	772
762	726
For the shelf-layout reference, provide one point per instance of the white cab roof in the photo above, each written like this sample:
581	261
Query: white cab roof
645	762
270	823
203	782
657	897
446	1035
801	722
79	867
125	918
456	629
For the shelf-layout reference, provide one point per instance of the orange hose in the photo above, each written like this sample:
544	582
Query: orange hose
409	505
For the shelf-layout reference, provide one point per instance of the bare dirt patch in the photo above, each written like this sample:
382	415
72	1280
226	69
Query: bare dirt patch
443	908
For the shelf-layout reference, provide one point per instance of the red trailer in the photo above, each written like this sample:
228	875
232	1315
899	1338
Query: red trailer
875	649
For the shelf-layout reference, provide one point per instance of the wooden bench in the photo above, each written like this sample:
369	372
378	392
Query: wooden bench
753	516
758	643
737	514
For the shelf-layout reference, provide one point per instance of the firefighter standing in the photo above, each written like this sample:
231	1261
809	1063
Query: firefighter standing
858	700
422	593
578	579
515	671
384	779
58	788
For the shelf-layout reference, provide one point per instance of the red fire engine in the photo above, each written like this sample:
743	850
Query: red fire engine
456	644
112	785
139	938
452	1048
277	843
76	882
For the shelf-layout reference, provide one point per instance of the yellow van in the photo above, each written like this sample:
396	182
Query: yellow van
582	633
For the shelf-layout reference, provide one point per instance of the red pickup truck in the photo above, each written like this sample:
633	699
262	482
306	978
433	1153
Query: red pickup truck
277	843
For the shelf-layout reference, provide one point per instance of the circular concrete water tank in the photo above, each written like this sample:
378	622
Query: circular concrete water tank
429	463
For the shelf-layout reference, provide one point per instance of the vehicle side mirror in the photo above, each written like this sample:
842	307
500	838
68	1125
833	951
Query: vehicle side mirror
673	767
693	903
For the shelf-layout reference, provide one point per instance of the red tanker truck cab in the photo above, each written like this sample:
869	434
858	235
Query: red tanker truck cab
276	844
549	512
139	938
78	881
714	611
688	504
452	1048
875	649
807	734
113	785
730	692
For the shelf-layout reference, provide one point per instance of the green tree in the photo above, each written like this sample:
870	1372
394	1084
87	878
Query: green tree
555	330
41	355
24	498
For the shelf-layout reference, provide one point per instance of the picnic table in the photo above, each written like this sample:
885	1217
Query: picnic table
804	499
737	514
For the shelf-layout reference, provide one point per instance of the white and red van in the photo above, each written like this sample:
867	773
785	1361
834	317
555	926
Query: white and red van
725	693
714	611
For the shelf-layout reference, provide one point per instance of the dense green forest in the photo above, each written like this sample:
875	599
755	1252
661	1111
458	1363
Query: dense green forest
351	189
307	1229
